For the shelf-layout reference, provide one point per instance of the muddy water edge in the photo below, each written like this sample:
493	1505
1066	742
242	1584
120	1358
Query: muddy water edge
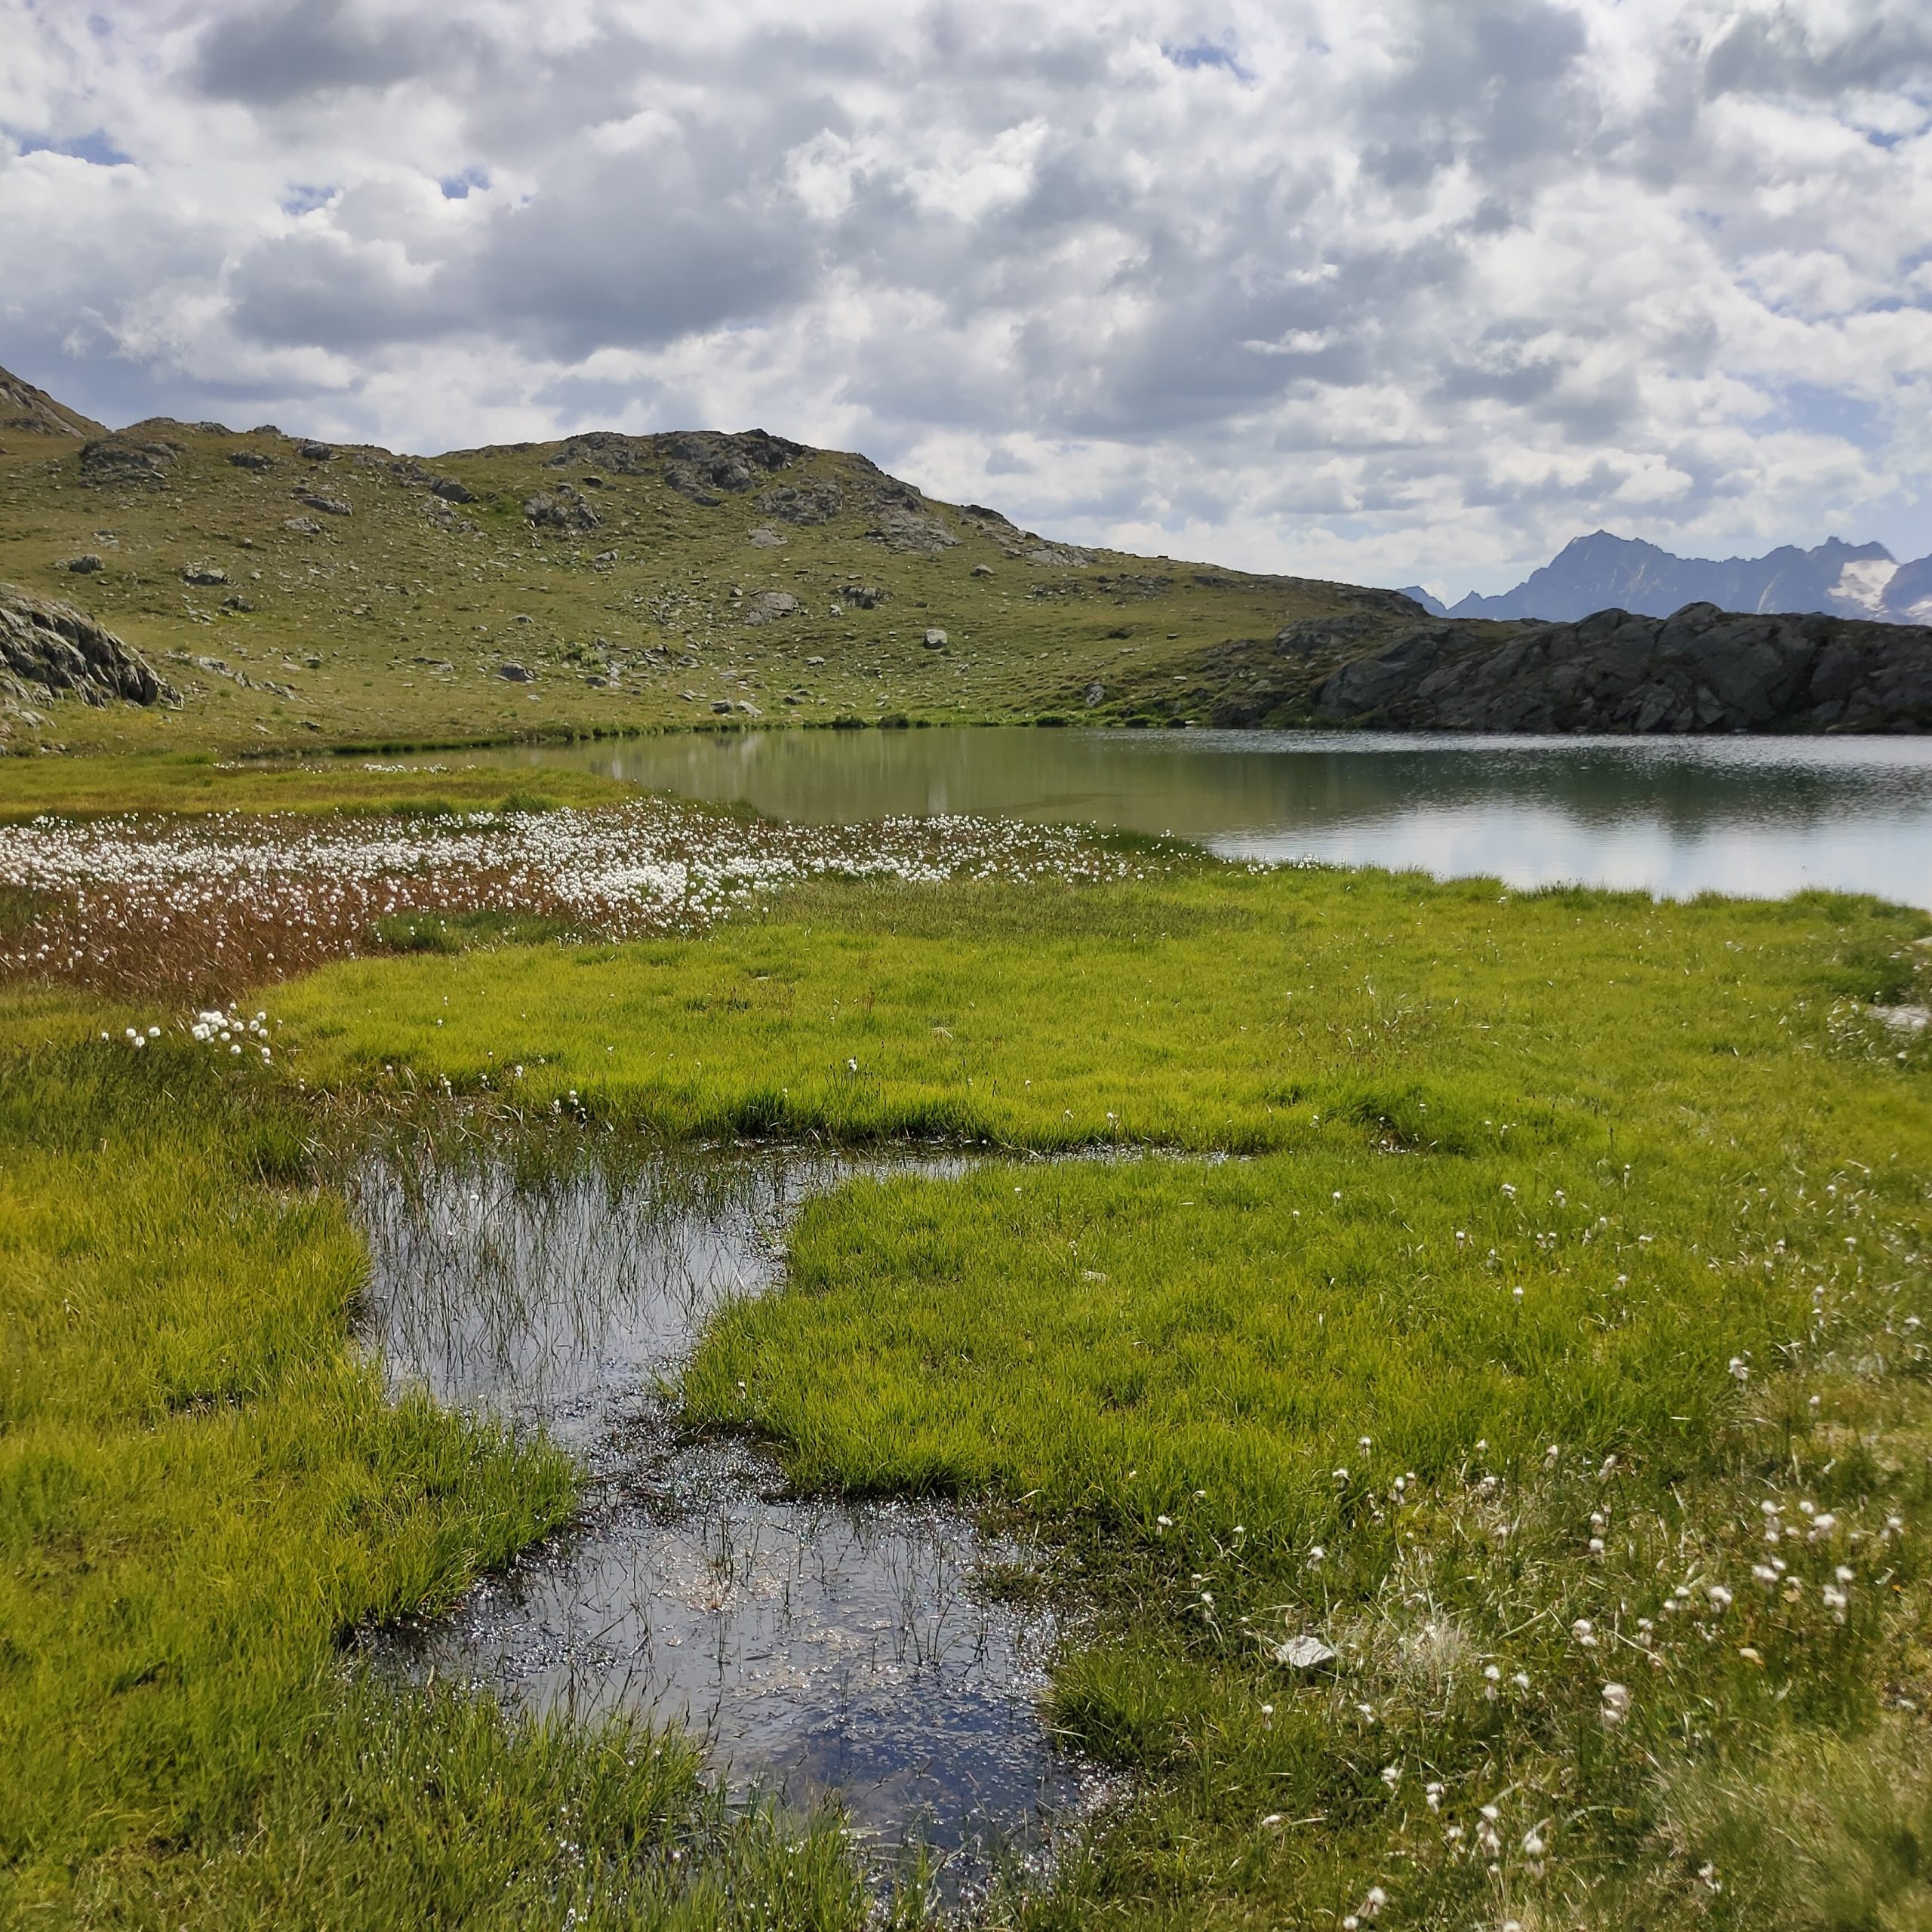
889	1657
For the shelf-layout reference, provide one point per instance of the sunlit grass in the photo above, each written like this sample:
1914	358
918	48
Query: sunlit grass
1476	1312
1460	1275
202	1489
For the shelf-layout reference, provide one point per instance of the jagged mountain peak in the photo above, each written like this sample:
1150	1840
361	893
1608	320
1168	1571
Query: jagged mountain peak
1603	570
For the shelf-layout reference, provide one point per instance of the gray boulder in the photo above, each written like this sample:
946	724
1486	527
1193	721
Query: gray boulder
809	502
49	651
564	509
123	460
768	606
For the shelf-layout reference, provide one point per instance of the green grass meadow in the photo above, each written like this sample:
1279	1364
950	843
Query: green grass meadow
1521	1293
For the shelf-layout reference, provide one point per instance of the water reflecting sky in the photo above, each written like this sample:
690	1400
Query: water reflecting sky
817	1647
1757	816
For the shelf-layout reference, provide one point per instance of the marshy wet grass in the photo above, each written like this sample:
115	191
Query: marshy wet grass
821	1650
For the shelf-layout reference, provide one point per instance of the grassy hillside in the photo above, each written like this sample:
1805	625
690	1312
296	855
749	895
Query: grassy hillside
303	594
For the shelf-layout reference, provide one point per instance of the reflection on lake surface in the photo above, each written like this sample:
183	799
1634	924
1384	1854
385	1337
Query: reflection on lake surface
1755	816
818	1648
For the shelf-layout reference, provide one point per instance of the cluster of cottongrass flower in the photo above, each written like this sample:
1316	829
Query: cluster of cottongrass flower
148	902
1554	1625
1420	1664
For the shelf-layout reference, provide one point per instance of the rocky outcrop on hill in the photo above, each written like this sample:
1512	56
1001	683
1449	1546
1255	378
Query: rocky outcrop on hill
1700	670
707	464
26	411
144	462
49	650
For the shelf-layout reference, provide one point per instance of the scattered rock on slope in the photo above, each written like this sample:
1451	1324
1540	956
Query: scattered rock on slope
50	650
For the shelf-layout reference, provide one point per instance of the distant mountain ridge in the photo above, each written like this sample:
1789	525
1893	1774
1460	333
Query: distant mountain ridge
1603	572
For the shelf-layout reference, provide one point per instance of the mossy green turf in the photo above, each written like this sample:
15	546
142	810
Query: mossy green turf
1465	1172
390	625
1507	1171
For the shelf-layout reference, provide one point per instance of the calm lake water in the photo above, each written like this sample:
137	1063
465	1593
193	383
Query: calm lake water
1757	817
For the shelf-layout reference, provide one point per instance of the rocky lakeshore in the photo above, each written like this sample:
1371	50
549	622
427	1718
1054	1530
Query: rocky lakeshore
1700	670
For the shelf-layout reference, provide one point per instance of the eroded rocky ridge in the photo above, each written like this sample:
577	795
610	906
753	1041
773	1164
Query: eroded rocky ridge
49	651
26	411
1701	669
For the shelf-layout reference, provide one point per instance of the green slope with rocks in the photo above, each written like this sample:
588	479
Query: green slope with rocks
295	592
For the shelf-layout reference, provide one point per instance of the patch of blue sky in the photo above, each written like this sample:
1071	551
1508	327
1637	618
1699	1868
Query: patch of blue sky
96	148
456	187
304	198
1204	53
1818	411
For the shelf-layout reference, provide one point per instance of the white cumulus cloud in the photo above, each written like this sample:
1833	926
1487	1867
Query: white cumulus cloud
1389	289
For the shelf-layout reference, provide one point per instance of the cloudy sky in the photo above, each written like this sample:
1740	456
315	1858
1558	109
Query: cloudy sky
1383	289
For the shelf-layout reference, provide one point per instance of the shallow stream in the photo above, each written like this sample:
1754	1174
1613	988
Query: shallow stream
820	1649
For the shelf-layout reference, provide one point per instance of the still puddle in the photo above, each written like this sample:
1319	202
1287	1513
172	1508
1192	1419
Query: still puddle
820	1649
